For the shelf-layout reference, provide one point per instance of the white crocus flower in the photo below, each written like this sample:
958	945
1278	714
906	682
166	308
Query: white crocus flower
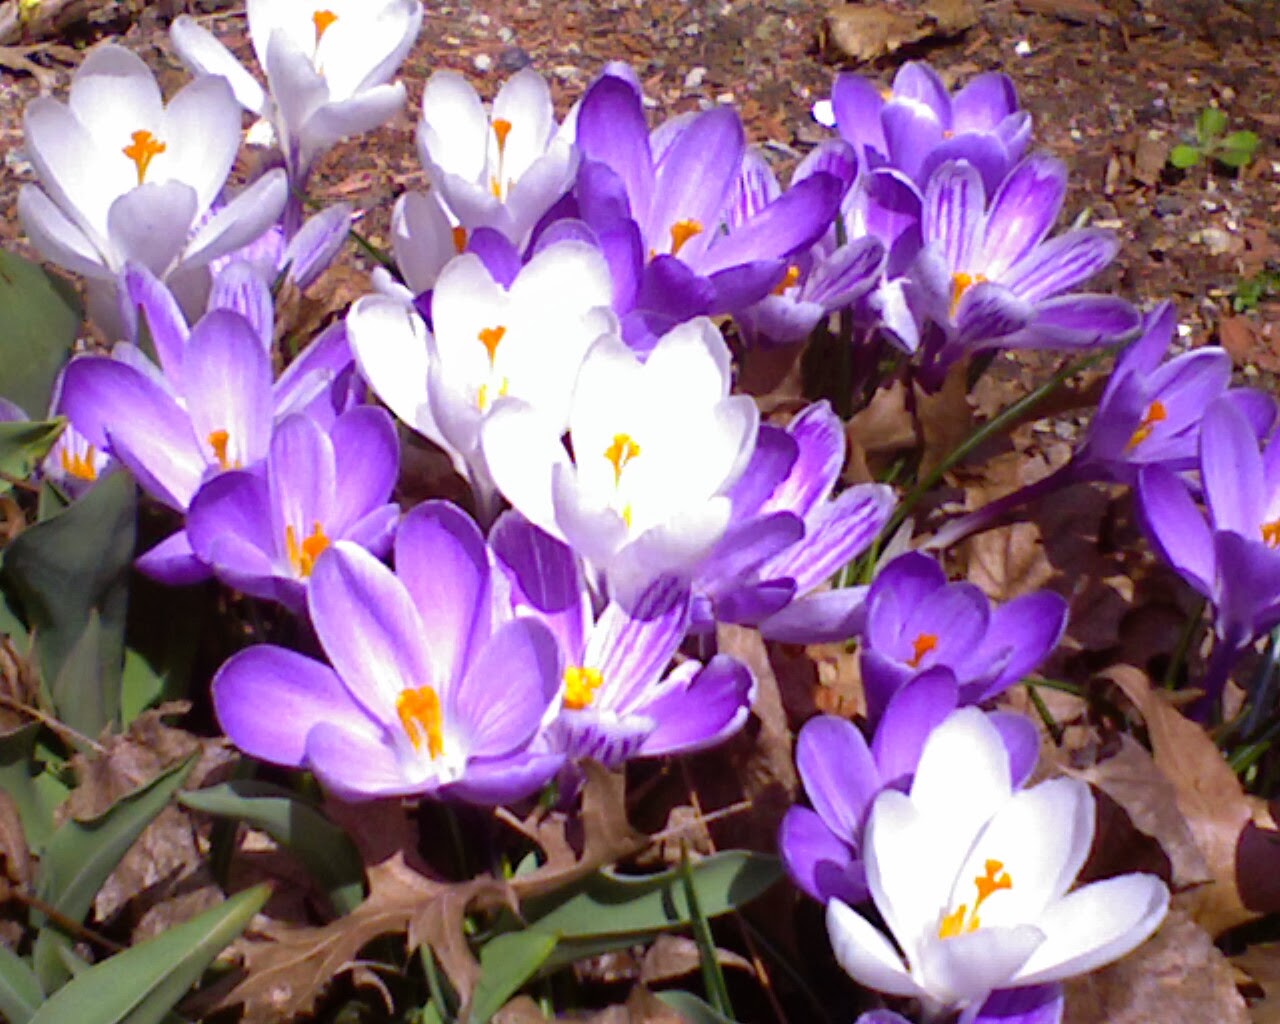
653	449
126	179
424	239
327	64
503	168
489	342
972	880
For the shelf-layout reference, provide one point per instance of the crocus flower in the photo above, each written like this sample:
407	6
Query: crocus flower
525	342
72	463
655	447
622	699
126	179
1231	559
410	706
655	206
327	64
1035	1004
989	277
915	620
502	168
972	878
300	259
917	125
262	532
842	774
789	536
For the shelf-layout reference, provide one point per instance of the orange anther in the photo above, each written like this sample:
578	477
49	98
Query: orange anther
1271	533
961	283
580	686
491	338
303	556
1156	413
788	279
422	719
460	239
921	646
681	232
79	466
501	129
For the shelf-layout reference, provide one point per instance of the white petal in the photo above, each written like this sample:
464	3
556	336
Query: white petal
524	102
149	225
674	547
114	94
523	452
967	968
241	221
83	189
202	134
389	341
201	52
1096	925
548	178
865	954
457	138
332	122
467	301
56	238
422	239
691	364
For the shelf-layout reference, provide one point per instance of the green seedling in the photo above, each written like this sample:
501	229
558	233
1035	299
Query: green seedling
1252	290
1213	144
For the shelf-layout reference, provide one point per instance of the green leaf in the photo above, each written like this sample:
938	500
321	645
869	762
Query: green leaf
20	991
506	963
23	444
1211	123
1183	157
693	1009
326	850
142	984
607	911
1237	149
19	774
65	570
82	854
41	318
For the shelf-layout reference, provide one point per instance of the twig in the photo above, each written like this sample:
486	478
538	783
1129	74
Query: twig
61	728
61	920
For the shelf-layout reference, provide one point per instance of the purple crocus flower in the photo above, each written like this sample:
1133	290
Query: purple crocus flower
916	620
1232	559
263	531
842	775
655	206
989	276
72	463
1035	1004
410	706
918	125
789	536
620	700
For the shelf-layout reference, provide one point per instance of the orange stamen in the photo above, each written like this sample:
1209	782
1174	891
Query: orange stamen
218	441
460	239
79	466
681	232
788	279
1271	533
921	646
580	686
144	148
960	921
961	283
322	20
422	719
491	338
303	556
1156	413
622	451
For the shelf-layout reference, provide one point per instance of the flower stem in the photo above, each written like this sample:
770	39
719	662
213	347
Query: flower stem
996	513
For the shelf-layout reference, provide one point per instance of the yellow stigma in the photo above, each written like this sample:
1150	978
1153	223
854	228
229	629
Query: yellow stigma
303	556
1271	533
1156	413
622	451
580	686
491	338
144	148
79	466
788	279
218	441
921	646
960	920
322	20
681	232
422	719
961	283
460	239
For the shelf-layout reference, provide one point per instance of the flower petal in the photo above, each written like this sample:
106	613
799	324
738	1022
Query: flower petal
839	773
865	954
817	861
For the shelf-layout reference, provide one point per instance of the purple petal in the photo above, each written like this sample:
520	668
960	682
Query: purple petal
443	562
1248	587
366	457
228	387
1176	528
952	213
301	481
1061	263
822	617
1078	321
1022	634
745	546
911	715
1022	741
230	528
498	254
911	133
988	155
882	677
831	156
545	578
1022	214
268	699
839	773
890	205
984	102
755	189
1039	1004
820	863
173	563
240	288
354	762
819	439
696	179
314	247
501	719
165	322
308	382
754	603
703	714
1232	471
790	224
857	103
669	286
774	455
836	532
632	648
505	780
740	286
989	313
898	589
917	81
849	273
612	130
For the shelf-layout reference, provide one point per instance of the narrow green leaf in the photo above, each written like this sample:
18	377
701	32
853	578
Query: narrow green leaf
1211	123
20	991
327	851
142	984
506	963
606	911
41	318
712	976
82	854
19	772
693	1009
1183	157
23	444
65	570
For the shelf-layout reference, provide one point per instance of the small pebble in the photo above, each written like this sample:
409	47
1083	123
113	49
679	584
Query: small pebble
1022	48
482	61
694	79
513	59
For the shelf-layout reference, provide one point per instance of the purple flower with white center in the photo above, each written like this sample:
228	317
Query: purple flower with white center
916	620
620	700
918	125
989	276
72	463
432	691
262	532
789	536
655	206
1231	559
821	848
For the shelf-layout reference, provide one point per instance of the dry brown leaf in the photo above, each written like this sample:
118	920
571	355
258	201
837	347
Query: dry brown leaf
1075	12
868	32
877	432
946	418
772	377
1209	796
15	857
302	315
676	956
1262	964
1177	977
1009	562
